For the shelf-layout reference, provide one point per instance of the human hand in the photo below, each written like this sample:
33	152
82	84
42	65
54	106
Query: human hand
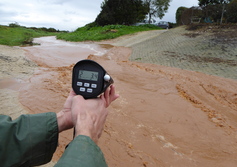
109	95
89	115
64	117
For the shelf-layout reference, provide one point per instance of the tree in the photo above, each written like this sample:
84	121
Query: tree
156	8
121	12
14	24
179	13
185	16
232	12
217	8
204	3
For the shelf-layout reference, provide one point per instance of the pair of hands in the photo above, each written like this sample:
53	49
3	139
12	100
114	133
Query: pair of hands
87	116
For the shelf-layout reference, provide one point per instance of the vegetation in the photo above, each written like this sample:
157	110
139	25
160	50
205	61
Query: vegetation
214	8
89	32
129	12
121	12
232	12
16	35
209	11
156	8
179	13
204	3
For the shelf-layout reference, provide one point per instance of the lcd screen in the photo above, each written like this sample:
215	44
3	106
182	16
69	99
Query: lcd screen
88	75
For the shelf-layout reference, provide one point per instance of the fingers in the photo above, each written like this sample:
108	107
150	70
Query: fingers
114	96
68	102
102	97
109	96
72	93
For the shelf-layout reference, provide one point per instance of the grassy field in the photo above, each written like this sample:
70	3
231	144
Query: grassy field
17	36
20	36
88	33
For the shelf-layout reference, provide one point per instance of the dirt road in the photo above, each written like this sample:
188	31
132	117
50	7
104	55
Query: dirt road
165	116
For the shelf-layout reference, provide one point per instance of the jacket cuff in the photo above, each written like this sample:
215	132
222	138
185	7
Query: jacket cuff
82	151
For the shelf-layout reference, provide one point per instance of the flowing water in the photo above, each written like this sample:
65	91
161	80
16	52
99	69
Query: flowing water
164	117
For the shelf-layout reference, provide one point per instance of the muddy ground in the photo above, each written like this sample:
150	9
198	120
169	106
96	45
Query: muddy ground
166	115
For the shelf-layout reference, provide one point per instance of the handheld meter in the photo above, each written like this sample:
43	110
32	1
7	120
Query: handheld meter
89	79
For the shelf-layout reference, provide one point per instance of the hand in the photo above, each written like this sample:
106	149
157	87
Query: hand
89	115
109	95
64	117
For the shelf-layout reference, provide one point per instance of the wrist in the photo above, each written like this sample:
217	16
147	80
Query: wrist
84	131
88	135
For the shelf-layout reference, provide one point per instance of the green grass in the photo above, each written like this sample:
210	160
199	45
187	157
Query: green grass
98	33
17	36
20	36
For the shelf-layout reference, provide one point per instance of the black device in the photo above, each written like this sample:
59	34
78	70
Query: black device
89	79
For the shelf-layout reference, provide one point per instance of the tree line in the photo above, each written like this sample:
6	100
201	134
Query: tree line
208	11
128	12
15	25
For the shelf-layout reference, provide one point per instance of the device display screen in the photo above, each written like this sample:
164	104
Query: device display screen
88	75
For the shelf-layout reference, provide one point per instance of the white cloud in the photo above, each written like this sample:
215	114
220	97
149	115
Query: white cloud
63	14
59	14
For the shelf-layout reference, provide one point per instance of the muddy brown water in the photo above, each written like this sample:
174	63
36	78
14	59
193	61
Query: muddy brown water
164	116
10	83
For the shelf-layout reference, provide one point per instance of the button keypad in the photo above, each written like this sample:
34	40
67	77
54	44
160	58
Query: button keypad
89	90
79	83
82	89
86	87
94	85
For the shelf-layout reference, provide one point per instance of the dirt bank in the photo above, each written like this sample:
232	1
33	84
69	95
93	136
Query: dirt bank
165	116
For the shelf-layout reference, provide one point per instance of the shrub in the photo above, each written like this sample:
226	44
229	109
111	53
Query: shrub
179	13
14	25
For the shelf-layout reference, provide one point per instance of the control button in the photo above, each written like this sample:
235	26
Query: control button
79	83
89	90
87	85
94	85
82	89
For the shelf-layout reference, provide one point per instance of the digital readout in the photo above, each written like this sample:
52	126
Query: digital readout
88	75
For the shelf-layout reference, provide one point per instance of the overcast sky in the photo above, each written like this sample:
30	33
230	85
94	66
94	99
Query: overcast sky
64	14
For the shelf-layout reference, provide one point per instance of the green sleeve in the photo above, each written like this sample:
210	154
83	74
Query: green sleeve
82	152
29	140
